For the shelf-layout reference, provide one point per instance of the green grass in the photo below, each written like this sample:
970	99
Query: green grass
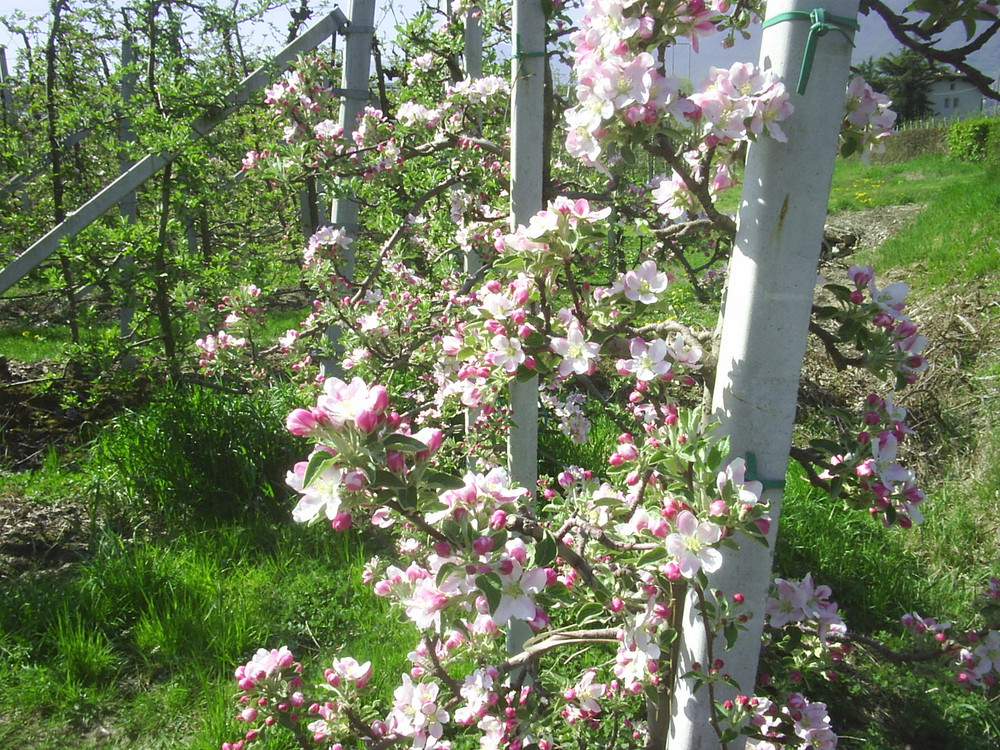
857	186
192	564
25	343
167	621
196	454
954	238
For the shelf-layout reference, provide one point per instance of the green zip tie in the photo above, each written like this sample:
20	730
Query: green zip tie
519	54
751	474
821	24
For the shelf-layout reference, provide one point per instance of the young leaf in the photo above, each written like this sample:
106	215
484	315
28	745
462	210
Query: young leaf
442	481
318	463
404	443
489	584
545	551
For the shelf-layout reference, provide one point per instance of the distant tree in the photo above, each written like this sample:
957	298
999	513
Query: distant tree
906	78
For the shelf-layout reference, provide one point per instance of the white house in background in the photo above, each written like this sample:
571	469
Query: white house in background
951	96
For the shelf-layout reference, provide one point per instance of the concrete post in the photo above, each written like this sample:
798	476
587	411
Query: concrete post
527	111
354	97
766	316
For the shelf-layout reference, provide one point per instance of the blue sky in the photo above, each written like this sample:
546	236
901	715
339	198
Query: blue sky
873	40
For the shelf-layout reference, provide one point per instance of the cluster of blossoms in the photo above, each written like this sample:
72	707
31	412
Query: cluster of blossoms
797	602
735	106
620	85
270	693
872	319
356	437
227	348
868	120
211	349
554	234
871	469
572	419
898	345
806	721
327	243
976	654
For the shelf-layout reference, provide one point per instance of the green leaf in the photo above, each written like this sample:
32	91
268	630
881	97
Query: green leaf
589	611
442	481
730	632
839	291
836	487
407	498
667	637
451	529
524	375
404	443
387	479
545	551
653	556
444	572
827	446
318	463
489	584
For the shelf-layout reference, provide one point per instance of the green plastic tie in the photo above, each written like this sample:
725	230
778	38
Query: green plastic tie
751	475
518	54
821	24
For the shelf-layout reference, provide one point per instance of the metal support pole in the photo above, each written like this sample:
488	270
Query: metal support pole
152	163
765	324
527	117
354	97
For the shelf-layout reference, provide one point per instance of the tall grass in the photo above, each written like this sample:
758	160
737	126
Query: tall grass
196	454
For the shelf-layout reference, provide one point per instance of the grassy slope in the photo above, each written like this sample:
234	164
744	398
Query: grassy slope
935	569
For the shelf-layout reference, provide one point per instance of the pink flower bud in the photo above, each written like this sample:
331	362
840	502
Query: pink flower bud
341	521
628	452
517	550
366	420
395	461
301	422
354	480
378	398
498	519
482	545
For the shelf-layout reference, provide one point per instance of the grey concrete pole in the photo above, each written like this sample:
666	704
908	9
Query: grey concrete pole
527	120
354	94
354	97
766	316
127	205
527	111
472	262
